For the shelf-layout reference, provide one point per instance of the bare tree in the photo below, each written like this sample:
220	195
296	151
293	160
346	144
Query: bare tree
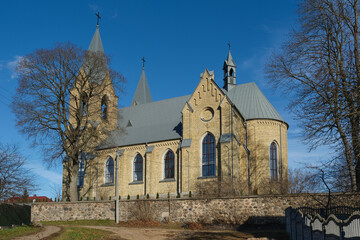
56	191
60	105
320	66
14	177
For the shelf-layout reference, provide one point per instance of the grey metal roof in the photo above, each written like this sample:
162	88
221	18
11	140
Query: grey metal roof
96	47
186	142
161	120
96	44
225	138
142	94
151	122
252	103
229	61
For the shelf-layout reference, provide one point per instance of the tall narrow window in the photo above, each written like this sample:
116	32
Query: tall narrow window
208	155
81	173
83	104
104	107
169	164
109	171
273	161
138	168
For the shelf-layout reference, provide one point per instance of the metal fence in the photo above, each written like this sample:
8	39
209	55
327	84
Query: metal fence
323	224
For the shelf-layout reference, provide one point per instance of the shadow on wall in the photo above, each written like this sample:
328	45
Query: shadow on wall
16	214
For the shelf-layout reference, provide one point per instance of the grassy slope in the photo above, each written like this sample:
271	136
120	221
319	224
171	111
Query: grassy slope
11	233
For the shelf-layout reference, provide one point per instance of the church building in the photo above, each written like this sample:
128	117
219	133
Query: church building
219	140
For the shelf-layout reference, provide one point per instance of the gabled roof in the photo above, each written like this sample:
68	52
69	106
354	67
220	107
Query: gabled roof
151	122
96	44
251	102
142	94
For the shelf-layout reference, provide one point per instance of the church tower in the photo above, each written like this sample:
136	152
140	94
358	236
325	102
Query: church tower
229	72
142	94
98	97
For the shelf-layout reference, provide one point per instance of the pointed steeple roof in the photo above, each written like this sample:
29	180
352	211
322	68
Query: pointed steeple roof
142	94
230	61
97	48
96	44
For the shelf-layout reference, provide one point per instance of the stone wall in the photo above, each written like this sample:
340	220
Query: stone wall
67	211
236	210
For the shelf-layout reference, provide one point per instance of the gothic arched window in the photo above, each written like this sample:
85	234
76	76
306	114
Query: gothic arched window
273	161
208	155
169	161
104	107
138	168
109	171
81	173
231	72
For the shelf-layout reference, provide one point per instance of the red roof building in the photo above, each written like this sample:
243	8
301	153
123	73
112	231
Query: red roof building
28	199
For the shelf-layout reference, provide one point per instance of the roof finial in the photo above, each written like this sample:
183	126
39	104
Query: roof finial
229	45
143	60
98	17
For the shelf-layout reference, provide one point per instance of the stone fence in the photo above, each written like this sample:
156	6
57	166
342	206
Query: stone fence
230	210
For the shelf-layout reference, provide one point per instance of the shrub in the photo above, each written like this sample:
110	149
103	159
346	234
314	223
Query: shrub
94	198
178	195
81	198
87	198
147	196
128	197
109	197
157	195
141	211
68	199
102	198
55	200
168	195
137	196
119	197
190	194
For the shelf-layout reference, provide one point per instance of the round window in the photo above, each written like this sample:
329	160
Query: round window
207	114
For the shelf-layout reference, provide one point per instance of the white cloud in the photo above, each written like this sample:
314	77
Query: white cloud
43	172
115	15
12	65
94	7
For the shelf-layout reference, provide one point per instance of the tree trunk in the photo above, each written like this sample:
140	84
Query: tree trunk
74	194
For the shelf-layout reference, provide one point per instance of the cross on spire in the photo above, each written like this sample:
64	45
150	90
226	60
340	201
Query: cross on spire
143	60
98	17
229	45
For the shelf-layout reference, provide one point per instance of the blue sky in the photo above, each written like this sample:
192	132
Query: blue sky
179	39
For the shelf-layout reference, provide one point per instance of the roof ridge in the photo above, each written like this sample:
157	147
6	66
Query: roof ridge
154	102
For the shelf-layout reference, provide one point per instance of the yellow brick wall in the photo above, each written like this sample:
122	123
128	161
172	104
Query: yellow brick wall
261	134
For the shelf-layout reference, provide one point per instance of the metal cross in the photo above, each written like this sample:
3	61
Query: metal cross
143	59
98	17
229	45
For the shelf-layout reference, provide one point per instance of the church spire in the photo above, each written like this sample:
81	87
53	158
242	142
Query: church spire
96	47
229	72
142	94
96	44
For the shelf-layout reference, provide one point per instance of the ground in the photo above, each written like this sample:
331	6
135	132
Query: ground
108	230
